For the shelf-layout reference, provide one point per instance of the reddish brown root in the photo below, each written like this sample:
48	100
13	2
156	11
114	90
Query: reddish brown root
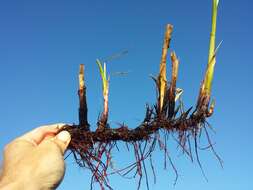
92	149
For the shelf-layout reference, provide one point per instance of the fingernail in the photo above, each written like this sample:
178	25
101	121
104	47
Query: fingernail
60	125
64	136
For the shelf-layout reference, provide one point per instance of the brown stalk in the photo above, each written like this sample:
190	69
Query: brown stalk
172	89
83	110
203	101
162	81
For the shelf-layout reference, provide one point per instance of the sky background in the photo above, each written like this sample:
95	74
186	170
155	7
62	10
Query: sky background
42	44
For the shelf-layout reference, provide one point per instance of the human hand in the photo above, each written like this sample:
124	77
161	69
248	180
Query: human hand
35	160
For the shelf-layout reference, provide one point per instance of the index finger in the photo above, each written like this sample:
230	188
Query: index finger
37	135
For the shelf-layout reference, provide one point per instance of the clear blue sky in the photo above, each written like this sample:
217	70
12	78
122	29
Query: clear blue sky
42	44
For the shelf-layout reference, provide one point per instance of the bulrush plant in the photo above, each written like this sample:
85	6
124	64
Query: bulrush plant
167	117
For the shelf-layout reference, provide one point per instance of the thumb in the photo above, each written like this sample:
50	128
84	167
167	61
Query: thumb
62	140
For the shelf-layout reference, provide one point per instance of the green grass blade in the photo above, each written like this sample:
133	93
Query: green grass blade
102	74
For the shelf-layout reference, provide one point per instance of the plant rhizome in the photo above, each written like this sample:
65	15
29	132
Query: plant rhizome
167	117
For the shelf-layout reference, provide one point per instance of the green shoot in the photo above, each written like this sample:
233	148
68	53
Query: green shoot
105	81
211	56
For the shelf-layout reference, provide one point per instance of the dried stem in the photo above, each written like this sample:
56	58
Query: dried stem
172	88
83	109
162	81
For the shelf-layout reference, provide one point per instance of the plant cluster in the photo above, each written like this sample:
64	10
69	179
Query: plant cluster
167	116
